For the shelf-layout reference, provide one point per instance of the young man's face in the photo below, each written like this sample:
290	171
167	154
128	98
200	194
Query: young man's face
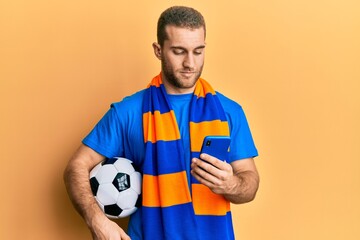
182	58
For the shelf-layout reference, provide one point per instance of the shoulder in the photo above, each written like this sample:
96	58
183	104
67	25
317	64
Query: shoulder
228	104
233	111
130	103
128	109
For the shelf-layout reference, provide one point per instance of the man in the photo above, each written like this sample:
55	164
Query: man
161	128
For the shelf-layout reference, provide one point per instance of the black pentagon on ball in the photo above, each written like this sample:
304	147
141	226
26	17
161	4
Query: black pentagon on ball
139	202
121	182
135	167
94	185
113	210
109	161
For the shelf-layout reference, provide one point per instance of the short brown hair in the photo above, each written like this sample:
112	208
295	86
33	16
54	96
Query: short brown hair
179	16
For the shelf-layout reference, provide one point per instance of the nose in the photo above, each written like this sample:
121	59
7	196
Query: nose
189	61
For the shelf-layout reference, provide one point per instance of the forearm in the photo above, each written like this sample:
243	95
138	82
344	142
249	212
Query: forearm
79	191
76	178
244	187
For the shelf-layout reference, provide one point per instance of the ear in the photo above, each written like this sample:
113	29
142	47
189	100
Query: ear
157	50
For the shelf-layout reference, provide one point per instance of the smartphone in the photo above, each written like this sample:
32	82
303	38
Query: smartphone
217	146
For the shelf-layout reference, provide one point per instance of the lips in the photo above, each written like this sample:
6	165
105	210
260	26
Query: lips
187	73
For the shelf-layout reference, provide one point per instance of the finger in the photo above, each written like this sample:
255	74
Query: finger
123	235
206	166
201	180
212	160
219	174
208	158
204	171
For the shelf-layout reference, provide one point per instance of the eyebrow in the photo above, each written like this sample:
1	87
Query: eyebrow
182	48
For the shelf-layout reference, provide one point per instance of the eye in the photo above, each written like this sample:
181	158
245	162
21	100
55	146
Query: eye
198	51
178	51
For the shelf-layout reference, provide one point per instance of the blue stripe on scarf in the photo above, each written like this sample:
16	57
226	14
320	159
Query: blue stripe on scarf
204	112
213	224
165	165
159	100
175	230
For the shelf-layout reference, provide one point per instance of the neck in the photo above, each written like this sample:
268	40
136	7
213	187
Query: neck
177	91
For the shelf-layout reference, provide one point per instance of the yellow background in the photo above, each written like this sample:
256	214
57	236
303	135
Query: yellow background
294	65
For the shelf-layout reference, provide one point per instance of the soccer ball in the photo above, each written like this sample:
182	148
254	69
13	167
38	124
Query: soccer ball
116	186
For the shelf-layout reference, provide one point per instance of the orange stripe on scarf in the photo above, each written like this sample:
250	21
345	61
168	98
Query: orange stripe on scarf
167	190
161	129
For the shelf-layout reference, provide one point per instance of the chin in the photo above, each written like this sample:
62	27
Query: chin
187	83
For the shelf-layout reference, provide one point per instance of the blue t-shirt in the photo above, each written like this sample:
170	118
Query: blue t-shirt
119	134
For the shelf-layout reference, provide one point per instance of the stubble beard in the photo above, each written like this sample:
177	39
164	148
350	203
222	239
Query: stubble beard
177	82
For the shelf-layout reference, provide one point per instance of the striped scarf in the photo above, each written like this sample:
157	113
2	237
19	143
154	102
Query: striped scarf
170	209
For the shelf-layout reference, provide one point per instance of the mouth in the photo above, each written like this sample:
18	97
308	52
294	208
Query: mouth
187	74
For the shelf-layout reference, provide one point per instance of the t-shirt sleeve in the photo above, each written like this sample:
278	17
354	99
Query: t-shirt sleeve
242	144
105	137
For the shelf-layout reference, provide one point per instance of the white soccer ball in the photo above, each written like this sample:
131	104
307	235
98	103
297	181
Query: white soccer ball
116	186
